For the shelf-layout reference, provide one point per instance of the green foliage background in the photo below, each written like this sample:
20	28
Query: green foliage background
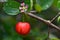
10	15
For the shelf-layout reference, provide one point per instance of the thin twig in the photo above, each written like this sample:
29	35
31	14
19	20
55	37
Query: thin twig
51	22
32	11
55	17
45	21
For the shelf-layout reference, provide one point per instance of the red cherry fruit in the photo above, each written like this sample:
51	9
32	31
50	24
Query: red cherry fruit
23	28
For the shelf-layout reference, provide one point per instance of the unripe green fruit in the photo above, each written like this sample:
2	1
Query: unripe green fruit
58	20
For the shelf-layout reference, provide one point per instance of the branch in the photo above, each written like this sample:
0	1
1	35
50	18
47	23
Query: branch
45	21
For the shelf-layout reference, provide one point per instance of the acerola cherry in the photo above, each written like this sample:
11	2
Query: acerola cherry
23	28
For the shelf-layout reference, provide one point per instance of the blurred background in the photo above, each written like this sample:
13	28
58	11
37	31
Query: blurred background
39	30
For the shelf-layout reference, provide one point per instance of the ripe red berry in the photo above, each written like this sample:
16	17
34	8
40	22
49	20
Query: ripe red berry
23	28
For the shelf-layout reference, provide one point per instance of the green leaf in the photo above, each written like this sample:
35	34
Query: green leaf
44	4
29	3
11	8
58	4
55	2
38	8
8	23
12	38
17	38
42	36
7	38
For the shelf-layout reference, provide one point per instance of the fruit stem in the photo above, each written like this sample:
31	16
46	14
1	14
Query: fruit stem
23	17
